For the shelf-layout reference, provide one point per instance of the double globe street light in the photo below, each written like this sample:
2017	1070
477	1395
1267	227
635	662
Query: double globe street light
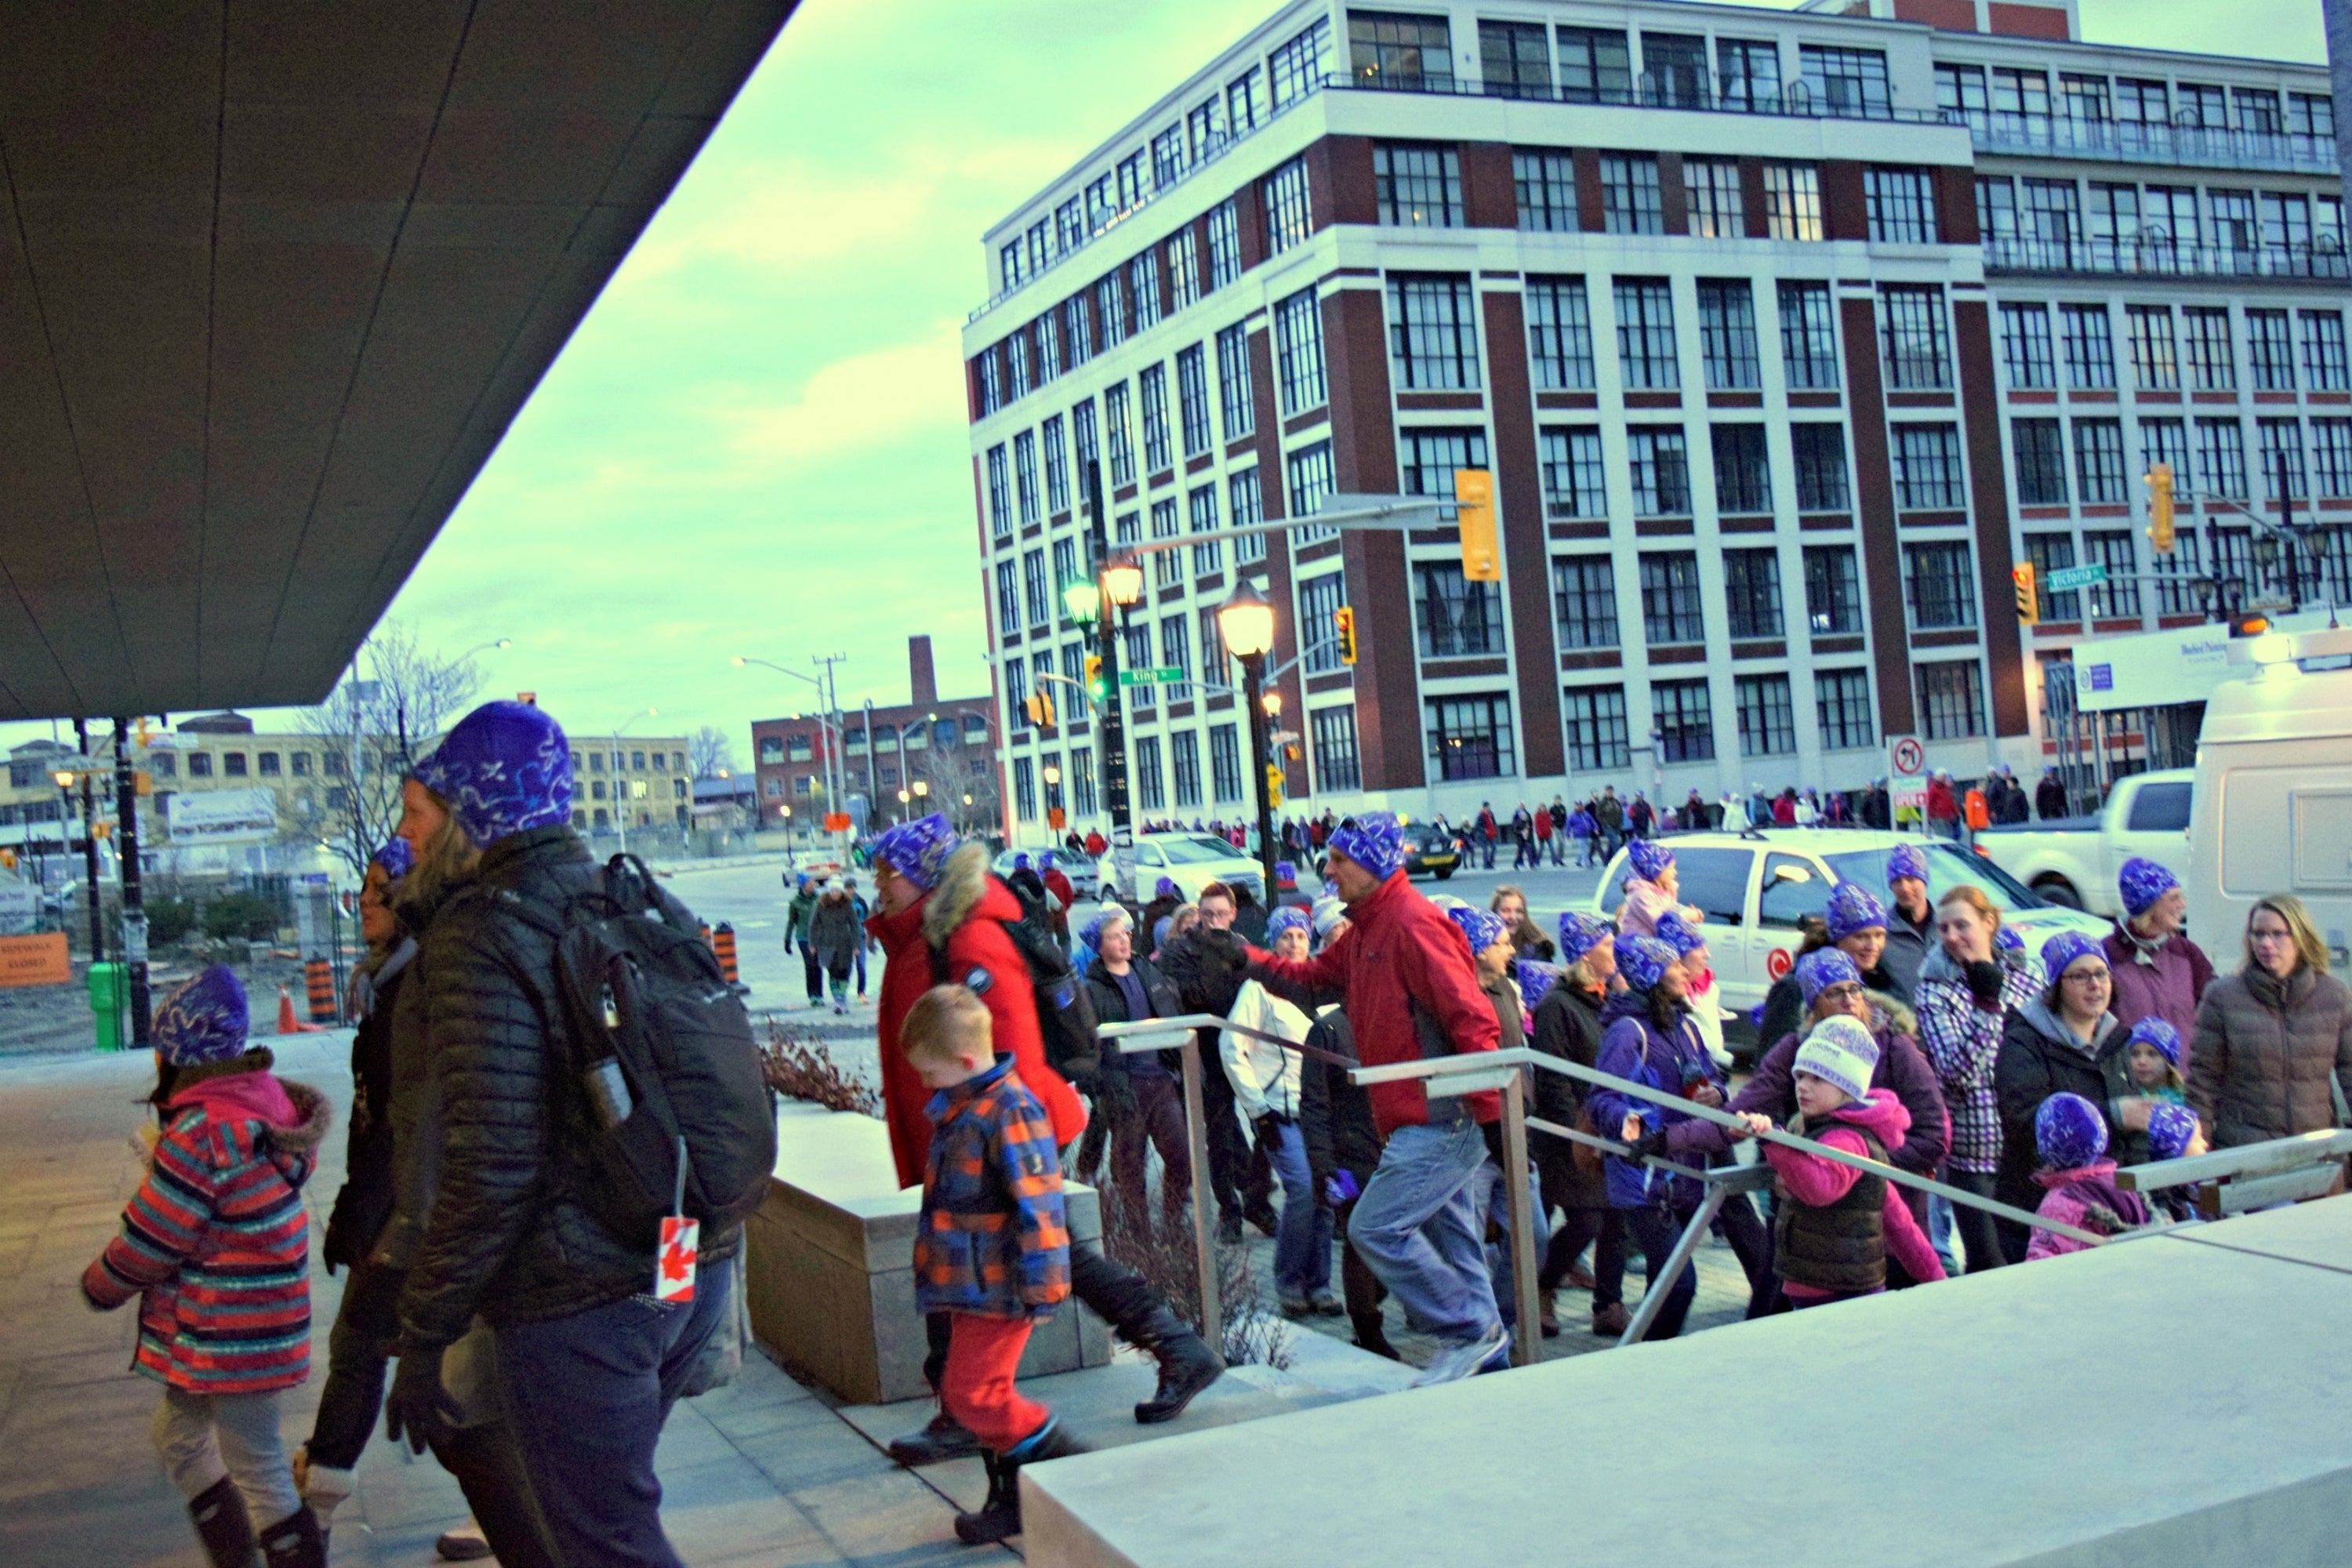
1245	622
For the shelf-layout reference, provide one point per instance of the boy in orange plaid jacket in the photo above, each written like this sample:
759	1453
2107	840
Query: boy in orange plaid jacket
992	1248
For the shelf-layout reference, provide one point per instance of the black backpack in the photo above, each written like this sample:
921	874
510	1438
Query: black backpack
672	1107
1066	1012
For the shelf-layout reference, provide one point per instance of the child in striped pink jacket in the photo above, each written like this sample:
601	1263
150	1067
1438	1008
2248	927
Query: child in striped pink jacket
216	1243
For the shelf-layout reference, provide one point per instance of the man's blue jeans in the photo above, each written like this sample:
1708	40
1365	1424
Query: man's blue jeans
1420	1225
1302	1244
587	1396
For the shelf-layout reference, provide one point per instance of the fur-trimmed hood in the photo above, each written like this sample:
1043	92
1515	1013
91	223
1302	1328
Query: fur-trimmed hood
964	883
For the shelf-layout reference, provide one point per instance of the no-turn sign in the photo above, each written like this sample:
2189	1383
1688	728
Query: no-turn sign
1905	757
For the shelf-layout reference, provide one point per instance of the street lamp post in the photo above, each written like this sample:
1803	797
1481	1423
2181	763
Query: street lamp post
1246	622
620	788
828	718
1117	584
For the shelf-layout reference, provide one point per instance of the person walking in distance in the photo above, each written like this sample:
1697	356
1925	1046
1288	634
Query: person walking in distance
796	935
1610	813
834	934
1486	832
1405	979
936	908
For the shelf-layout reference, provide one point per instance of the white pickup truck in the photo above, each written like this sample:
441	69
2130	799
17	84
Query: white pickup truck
2074	861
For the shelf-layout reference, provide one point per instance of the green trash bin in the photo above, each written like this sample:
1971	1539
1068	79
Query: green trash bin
109	992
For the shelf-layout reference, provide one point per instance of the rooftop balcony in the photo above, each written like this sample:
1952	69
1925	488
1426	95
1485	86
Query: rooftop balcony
2130	142
2152	255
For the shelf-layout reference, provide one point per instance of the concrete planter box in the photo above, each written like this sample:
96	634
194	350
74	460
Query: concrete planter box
830	1266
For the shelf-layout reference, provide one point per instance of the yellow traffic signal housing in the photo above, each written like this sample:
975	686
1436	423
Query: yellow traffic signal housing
1474	496
1343	622
1040	710
2159	480
2029	595
1095	688
1273	784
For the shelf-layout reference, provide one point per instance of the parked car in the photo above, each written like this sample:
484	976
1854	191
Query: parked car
1190	860
1754	888
2075	861
1429	850
1086	880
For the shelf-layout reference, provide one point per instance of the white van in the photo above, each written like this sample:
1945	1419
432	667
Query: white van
2271	810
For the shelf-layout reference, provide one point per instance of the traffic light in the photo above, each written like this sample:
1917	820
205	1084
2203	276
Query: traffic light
2028	597
2159	480
1273	785
1474	496
1343	622
1040	710
1095	686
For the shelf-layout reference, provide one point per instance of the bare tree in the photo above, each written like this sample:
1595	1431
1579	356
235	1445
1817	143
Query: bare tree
709	753
388	712
948	771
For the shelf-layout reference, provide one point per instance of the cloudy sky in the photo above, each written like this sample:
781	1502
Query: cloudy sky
755	443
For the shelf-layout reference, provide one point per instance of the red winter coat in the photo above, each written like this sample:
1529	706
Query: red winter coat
1399	949
964	914
1941	806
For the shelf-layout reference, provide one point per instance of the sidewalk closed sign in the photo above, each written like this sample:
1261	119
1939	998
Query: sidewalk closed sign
223	817
34	961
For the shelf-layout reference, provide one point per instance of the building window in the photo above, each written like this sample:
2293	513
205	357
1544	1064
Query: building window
1201	516
1683	712
1008	602
1842	703
2091	350
1832	591
1630	198
1456	616
1470	737
1337	766
1225	245
1809	337
1309	471
266	763
2269	350
1192	399
2041	462
2155	364
2222	459
1057	467
1247	508
1225	764
1432	340
1743	476
1293	71
1151	391
1082	436
1792	201
1717	211
2099	461
1573	482
1110	307
1901	205
1543	182
1751	593
1077	328
1597	737
1299	352
299	762
2212	363
1429	457
1919	352
1184	765
1183	270
1670	601
1560	333
1584	601
989	387
1727	334
1000	496
1288	217
1167	565
1386	48
1514	60
2280	442
2050	553
2119	595
1927	475
1025	476
1768	718
1017	353
233	765
2026	350
1674	68
1233	408
1319	598
1024	789
1846	83
1595	66
1748	75
1645	334
1820	452
1049	345
1418	185
1951	699
2323	351
1659	463
2331	459
1215	666
1122	434
1943	585
1176	653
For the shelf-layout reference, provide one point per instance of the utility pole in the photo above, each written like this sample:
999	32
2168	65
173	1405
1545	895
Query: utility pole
89	845
2291	546
135	907
873	790
1109	619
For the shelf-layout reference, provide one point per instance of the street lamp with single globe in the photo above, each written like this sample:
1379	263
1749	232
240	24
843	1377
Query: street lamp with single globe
1245	620
1122	580
1084	602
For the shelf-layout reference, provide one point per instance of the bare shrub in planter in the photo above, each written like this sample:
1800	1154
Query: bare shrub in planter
800	1066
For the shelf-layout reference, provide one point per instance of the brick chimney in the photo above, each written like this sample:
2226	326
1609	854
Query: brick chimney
921	682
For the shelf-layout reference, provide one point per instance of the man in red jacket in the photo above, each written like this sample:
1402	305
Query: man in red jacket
938	912
1411	990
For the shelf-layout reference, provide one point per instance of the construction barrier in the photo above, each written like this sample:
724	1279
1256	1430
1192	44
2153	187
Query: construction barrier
319	977
722	942
288	1024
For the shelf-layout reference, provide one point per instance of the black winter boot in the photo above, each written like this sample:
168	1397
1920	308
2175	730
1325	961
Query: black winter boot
295	1542
999	1518
223	1526
490	1471
1187	1364
944	1439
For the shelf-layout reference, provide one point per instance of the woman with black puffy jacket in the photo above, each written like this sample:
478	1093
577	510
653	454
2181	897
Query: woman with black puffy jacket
1139	1095
1568	1025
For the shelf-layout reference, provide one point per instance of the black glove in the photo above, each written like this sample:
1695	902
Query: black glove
1651	1144
417	1404
1984	978
1220	948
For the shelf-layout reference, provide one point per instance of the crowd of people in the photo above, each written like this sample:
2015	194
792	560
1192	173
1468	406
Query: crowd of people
526	1349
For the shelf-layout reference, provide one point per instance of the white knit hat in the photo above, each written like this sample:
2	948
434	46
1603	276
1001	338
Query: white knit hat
1841	1053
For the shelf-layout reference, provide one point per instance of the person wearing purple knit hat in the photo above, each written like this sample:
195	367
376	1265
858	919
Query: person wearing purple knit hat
2077	1182
1911	920
1568	1025
1653	887
2159	972
2062	1041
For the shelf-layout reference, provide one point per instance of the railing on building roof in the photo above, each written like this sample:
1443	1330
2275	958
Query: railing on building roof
2154	255
2133	142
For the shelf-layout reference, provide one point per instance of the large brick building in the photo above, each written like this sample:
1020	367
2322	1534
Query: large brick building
1786	336
946	745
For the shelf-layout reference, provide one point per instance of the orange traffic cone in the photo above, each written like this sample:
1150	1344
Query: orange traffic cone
287	1022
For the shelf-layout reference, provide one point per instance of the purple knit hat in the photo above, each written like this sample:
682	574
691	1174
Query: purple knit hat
2142	882
1823	968
1580	933
1091	933
1483	928
2169	1129
1853	908
2063	949
1376	843
1906	861
1165	888
505	769
918	850
1648	859
204	1020
396	856
1534	978
1290	916
2160	1034
2069	1132
1678	933
1643	961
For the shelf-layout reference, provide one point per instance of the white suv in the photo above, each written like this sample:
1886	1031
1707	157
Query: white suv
1190	860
